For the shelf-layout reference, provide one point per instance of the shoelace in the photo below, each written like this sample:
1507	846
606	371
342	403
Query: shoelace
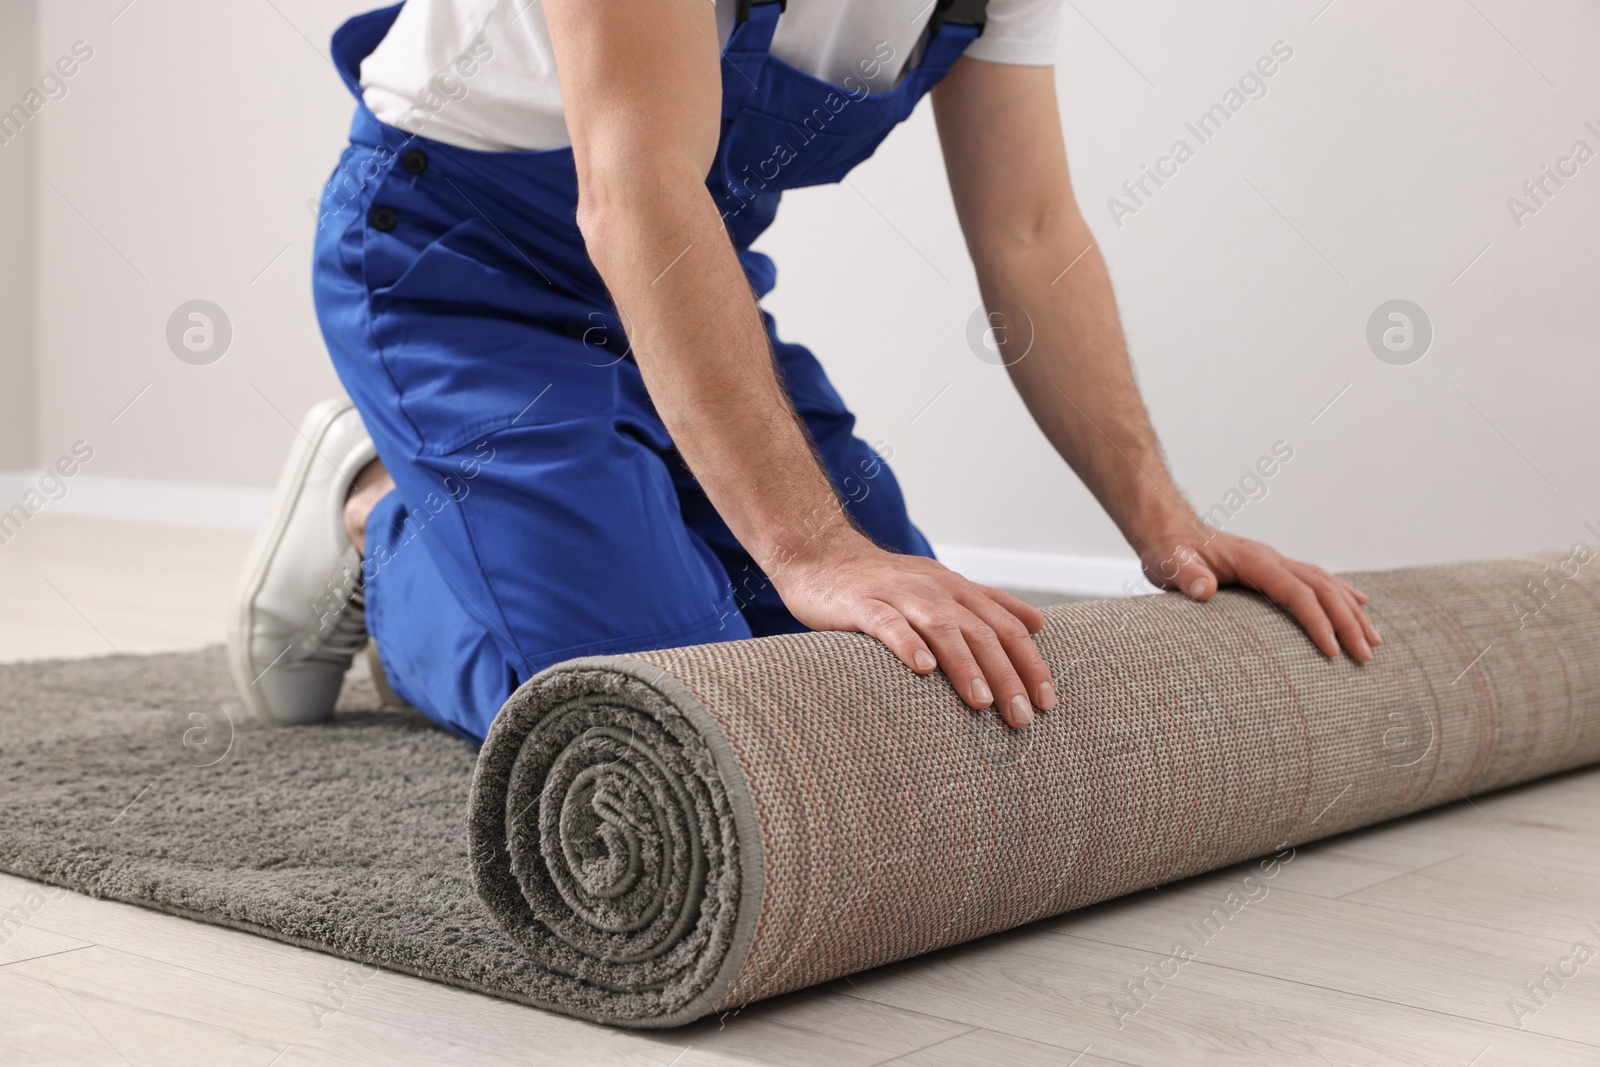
339	643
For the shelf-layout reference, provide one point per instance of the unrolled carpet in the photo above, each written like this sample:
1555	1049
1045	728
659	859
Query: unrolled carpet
663	835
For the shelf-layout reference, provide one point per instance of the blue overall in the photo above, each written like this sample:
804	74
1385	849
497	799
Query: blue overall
541	511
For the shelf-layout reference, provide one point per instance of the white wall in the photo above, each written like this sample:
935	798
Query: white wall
1391	140
178	168
18	156
1383	153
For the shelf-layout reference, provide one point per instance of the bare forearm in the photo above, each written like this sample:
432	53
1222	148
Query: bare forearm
1008	174
1075	378
1007	163
703	351
641	82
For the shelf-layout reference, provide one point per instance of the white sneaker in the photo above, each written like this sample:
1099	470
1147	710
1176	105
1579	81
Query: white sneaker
299	615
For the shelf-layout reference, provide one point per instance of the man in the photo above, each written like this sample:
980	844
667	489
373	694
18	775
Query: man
585	436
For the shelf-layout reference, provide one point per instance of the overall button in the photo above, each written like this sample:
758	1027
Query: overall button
383	219
414	160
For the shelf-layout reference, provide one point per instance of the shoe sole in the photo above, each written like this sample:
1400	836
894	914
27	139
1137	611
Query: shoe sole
291	485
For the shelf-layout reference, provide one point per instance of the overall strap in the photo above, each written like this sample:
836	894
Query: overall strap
746	51
753	26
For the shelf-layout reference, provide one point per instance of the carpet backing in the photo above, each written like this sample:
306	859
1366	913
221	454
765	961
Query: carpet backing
647	839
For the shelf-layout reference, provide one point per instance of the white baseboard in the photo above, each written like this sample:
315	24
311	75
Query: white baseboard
1047	571
243	508
234	507
237	507
13	485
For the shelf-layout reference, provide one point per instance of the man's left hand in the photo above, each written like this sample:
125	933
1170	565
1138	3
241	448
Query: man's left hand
1326	606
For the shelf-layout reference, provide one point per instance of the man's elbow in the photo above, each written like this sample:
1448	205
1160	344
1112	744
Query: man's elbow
1029	227
633	195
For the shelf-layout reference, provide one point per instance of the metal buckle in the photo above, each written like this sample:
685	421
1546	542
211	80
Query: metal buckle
742	12
962	12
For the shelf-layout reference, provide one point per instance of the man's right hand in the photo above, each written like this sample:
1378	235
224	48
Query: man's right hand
929	616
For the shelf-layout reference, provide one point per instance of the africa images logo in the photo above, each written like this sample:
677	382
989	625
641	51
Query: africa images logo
51	86
1399	332
199	332
1252	85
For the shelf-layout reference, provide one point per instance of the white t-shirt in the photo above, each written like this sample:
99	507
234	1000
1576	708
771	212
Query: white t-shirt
481	73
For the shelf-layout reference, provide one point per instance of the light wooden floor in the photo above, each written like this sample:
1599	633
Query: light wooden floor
1399	945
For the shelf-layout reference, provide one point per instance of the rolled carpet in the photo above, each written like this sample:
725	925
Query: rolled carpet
680	832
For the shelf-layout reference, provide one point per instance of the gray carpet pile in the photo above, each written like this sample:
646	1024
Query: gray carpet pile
141	779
